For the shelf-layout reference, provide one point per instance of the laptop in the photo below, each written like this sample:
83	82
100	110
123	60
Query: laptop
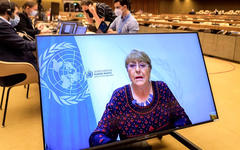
81	30
68	28
103	27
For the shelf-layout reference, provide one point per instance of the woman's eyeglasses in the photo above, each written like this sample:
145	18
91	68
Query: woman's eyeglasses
140	65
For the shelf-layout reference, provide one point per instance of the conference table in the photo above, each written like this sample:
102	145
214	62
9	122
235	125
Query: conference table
195	25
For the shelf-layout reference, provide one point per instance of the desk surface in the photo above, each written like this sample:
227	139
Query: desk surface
218	22
200	26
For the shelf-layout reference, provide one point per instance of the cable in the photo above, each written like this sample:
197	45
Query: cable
225	71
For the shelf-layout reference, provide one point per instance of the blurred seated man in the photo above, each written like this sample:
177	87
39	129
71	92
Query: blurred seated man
97	11
139	12
215	12
125	22
25	24
192	12
13	48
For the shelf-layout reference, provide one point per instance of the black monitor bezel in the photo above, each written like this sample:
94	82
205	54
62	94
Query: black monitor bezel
54	12
144	137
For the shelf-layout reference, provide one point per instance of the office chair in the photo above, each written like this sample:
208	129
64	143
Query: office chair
15	74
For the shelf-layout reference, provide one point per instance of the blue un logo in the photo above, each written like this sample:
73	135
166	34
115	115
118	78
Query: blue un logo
64	74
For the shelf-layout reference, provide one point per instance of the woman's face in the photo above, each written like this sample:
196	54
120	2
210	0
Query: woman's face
139	73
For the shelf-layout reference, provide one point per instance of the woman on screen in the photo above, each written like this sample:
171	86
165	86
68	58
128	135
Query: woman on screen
140	108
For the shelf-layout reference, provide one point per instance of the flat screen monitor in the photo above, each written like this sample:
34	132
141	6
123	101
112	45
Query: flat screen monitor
68	28
54	9
90	88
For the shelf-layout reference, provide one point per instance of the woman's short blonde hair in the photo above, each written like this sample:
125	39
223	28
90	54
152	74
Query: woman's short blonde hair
137	55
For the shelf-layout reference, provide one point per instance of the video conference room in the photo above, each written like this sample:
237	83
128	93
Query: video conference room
119	74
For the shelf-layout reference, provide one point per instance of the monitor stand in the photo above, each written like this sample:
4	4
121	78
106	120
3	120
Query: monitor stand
184	141
143	145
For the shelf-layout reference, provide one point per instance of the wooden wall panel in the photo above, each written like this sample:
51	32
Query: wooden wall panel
163	6
145	5
182	6
45	3
109	2
137	5
156	9
237	50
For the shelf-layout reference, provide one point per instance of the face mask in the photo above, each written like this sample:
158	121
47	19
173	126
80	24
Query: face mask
34	13
89	13
118	12
14	22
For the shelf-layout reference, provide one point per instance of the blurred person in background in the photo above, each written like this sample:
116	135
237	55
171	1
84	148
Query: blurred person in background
13	48
97	12
25	25
125	22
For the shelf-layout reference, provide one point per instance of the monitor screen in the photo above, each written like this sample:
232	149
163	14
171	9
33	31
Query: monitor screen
101	89
68	28
81	30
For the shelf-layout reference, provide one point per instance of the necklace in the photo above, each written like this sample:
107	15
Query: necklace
145	103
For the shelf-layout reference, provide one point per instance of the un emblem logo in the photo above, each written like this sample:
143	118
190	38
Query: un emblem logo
62	73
